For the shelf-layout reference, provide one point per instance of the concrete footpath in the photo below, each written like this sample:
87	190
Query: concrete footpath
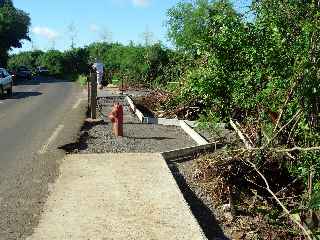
116	196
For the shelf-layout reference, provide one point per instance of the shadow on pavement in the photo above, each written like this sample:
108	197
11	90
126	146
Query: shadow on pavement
202	213
81	143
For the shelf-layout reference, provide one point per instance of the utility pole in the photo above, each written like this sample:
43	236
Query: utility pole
106	35
73	33
147	36
53	43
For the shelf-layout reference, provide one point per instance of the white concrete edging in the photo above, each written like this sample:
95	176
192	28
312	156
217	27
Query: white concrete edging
135	109
190	151
193	134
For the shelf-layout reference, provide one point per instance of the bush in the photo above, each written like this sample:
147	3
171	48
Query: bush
82	80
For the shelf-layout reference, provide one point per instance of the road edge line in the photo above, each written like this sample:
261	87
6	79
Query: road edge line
53	136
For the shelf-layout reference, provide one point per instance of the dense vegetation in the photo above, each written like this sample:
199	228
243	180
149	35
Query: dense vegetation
261	69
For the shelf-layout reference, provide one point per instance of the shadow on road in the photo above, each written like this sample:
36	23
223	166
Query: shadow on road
39	80
21	95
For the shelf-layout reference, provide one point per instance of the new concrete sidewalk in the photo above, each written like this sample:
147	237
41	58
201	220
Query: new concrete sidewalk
116	196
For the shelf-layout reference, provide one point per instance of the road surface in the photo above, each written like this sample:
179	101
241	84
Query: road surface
42	115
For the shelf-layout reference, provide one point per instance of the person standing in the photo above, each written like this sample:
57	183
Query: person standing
99	67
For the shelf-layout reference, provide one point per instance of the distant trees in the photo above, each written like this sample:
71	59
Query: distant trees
53	60
14	27
135	63
28	59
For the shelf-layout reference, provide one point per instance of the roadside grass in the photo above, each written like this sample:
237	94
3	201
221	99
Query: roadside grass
79	78
82	80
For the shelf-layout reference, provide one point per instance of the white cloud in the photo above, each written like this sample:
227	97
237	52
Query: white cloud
45	32
137	3
141	3
94	28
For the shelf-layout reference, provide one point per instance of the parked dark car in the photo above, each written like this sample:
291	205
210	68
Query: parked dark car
24	73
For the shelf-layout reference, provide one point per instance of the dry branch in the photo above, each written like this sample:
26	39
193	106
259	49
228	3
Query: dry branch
303	229
240	134
297	115
284	106
278	150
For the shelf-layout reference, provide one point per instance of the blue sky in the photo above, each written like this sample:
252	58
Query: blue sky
119	20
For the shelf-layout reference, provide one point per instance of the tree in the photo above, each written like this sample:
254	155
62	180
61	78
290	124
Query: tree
76	61
28	59
214	35
14	27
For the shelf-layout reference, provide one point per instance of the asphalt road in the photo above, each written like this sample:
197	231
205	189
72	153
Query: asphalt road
43	115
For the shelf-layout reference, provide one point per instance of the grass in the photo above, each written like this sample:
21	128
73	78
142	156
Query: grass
79	78
115	81
82	80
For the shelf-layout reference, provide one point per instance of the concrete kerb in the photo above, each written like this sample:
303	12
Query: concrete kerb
193	134
185	125
166	159
135	109
190	151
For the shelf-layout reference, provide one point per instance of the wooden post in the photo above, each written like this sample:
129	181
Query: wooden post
93	96
89	92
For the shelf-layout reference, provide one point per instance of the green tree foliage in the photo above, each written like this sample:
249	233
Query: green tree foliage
53	60
134	63
28	59
14	27
75	61
213	34
242	64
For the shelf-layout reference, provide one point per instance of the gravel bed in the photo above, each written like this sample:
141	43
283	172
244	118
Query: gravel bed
97	137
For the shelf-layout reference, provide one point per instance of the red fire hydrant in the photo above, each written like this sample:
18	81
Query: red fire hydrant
116	117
